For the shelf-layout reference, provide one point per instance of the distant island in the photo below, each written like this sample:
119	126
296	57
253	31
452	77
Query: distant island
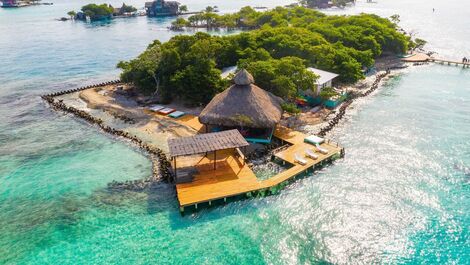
21	3
325	3
93	12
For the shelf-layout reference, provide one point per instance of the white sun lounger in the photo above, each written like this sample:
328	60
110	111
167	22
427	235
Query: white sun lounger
300	159
166	111
156	108
321	149
311	154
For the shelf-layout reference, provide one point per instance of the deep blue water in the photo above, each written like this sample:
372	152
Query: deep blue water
400	196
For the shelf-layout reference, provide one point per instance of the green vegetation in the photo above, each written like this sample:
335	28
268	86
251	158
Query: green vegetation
127	9
96	12
327	93
281	44
419	43
72	14
183	8
103	11
290	108
283	77
322	3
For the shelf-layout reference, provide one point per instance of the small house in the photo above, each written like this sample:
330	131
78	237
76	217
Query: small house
254	112
325	79
162	8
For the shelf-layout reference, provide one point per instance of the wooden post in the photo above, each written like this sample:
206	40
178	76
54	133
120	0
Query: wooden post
215	160
174	162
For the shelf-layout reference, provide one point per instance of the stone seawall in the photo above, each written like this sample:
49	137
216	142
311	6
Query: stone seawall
342	110
161	164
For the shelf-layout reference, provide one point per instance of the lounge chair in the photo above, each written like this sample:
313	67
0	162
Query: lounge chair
156	108
300	159
321	149
313	139
166	111
176	114
311	154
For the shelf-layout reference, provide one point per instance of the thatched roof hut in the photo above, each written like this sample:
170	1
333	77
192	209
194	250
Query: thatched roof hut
243	104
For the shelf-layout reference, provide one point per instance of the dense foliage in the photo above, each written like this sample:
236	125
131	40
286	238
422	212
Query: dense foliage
283	42
324	3
95	11
290	108
127	9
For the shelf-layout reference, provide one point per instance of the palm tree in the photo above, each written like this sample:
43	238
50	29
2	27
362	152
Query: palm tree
72	14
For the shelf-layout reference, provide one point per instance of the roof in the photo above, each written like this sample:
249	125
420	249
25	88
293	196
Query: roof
324	76
208	142
243	104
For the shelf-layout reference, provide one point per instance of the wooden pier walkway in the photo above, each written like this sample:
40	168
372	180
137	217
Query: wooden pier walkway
424	58
233	177
449	62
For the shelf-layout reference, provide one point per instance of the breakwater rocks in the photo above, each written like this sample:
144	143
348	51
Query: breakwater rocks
64	92
342	110
161	165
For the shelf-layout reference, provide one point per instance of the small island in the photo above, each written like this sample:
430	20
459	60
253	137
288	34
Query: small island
204	105
20	3
94	12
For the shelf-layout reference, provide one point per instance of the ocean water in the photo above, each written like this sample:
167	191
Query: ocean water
400	196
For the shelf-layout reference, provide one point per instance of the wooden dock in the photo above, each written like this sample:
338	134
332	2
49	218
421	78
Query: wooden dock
424	58
449	62
233	177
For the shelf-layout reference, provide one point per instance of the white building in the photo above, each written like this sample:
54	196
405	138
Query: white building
325	79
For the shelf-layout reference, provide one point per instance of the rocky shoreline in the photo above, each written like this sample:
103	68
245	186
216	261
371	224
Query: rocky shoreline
342	110
160	163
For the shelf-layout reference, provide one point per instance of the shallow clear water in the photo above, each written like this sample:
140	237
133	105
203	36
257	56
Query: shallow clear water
401	195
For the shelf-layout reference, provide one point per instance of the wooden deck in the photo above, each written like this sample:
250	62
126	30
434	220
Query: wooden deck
232	177
421	57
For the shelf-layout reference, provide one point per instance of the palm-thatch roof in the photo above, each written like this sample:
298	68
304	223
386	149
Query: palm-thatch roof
243	104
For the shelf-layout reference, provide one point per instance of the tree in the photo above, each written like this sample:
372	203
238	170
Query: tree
142	71
188	66
209	9
96	12
183	8
395	18
284	77
179	24
419	43
72	14
127	9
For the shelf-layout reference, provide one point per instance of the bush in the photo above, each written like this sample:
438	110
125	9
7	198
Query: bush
290	108
327	93
95	11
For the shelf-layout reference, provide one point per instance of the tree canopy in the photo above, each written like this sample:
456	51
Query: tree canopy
95	11
282	43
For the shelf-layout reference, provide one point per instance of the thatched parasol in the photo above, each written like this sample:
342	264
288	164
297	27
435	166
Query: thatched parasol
243	104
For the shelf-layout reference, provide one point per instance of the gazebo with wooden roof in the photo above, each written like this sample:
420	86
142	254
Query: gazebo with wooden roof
204	144
245	107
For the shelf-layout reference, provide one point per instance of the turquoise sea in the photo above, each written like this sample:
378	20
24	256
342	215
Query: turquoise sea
400	196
